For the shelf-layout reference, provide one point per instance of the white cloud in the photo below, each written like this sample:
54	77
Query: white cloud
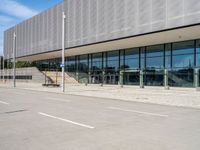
5	23
13	8
12	12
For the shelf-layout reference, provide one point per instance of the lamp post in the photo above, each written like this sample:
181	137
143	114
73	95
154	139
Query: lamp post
14	60
63	52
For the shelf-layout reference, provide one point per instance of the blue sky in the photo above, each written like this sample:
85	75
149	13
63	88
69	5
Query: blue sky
14	11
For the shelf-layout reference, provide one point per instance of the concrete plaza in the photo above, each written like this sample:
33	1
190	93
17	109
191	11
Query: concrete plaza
184	97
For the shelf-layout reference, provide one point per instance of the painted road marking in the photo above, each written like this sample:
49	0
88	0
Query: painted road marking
139	112
65	120
4	103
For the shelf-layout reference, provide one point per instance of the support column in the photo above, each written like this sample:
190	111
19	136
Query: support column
3	70
103	75
141	79
196	77
166	77
63	52
89	78
121	78
77	76
14	60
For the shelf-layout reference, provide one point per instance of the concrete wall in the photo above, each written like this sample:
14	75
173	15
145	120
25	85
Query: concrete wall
91	21
37	76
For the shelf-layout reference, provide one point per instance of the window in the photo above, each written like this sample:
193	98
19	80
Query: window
112	61
83	64
155	57
97	62
198	53
142	58
168	56
183	54
132	58
183	77
71	64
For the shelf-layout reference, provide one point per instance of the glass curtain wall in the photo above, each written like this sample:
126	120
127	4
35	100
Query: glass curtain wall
83	68
131	66
96	68
198	57
182	73
112	67
198	53
48	65
180	59
154	72
71	64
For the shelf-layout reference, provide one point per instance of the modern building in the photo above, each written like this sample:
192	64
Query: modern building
132	42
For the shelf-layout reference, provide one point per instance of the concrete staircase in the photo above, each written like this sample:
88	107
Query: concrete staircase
56	77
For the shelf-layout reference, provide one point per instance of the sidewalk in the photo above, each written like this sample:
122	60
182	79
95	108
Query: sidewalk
186	97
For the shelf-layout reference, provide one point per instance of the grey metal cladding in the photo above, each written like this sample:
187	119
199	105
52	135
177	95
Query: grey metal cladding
90	21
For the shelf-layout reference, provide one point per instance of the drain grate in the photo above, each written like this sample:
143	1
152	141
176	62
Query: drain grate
15	111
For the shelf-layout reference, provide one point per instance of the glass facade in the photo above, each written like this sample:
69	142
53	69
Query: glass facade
131	67
183	62
198	53
111	75
180	59
154	74
70	64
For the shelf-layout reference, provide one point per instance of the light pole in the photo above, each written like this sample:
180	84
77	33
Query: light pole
63	52
14	59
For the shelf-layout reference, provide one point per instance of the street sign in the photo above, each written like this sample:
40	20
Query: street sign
62	65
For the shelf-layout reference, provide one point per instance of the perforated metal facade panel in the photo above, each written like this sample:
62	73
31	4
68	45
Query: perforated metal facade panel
90	21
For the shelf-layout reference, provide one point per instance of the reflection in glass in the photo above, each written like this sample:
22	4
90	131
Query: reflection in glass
142	58
112	68
71	64
198	53
155	57
83	63
181	77
132	58
183	54
168	56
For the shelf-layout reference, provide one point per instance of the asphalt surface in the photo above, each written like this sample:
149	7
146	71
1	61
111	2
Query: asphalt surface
32	120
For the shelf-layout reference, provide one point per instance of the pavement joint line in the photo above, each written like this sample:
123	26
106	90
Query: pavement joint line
139	112
65	120
2	102
57	99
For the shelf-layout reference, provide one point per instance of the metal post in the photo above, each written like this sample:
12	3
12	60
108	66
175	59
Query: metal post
3	71
63	51
166	75
121	79
14	60
103	76
141	79
196	78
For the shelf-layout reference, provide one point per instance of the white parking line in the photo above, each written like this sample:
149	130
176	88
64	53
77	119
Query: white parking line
139	112
65	120
4	103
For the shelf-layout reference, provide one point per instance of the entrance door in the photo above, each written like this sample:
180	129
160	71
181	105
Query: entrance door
111	79
96	79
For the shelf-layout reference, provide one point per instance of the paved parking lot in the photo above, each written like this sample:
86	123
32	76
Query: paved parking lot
31	120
